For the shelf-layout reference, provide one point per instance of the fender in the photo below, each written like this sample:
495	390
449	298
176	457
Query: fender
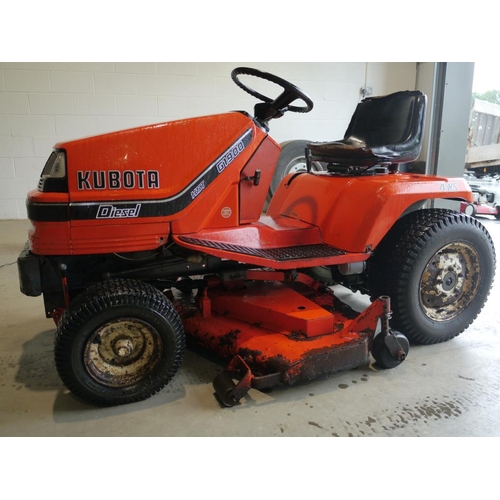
354	213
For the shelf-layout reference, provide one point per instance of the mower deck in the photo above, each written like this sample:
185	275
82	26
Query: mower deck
278	333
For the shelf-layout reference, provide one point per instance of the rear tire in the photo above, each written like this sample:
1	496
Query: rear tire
437	266
292	159
118	342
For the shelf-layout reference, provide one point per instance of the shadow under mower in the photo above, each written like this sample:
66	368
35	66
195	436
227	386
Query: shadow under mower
145	237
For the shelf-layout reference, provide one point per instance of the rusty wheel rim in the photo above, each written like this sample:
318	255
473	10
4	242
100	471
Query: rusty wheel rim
450	281
122	352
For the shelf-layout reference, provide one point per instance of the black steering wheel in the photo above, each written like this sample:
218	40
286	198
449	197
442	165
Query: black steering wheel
274	108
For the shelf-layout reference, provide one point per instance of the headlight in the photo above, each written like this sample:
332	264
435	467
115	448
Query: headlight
53	178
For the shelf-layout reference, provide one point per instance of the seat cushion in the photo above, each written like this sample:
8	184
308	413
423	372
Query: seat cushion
384	129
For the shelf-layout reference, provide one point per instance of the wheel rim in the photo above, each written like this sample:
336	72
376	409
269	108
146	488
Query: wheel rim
122	352
450	281
299	165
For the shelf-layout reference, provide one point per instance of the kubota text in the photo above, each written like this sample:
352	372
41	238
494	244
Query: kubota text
115	179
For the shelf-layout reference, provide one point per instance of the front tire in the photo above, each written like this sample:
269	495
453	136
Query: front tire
118	342
437	266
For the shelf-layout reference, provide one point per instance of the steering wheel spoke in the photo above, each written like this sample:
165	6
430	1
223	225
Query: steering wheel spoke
283	101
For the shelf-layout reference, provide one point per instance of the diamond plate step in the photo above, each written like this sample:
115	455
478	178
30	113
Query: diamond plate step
277	254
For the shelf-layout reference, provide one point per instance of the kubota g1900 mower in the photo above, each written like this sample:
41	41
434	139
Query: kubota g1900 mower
145	237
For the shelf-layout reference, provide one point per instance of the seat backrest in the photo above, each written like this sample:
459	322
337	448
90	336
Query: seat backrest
392	123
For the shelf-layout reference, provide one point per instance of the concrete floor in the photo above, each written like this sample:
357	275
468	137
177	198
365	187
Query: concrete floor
452	389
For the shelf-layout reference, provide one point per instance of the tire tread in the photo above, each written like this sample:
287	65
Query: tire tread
394	257
102	296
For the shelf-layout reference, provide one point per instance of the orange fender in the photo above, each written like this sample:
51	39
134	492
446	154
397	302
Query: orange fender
355	213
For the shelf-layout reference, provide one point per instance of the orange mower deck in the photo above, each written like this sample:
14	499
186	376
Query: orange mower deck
278	333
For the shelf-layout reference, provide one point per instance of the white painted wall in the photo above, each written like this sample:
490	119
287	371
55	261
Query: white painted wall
43	103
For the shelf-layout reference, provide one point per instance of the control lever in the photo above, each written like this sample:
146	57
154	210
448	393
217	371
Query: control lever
255	178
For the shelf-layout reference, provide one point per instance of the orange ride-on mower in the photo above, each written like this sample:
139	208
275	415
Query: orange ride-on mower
147	237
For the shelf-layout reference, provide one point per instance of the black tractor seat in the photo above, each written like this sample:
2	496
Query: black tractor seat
383	131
